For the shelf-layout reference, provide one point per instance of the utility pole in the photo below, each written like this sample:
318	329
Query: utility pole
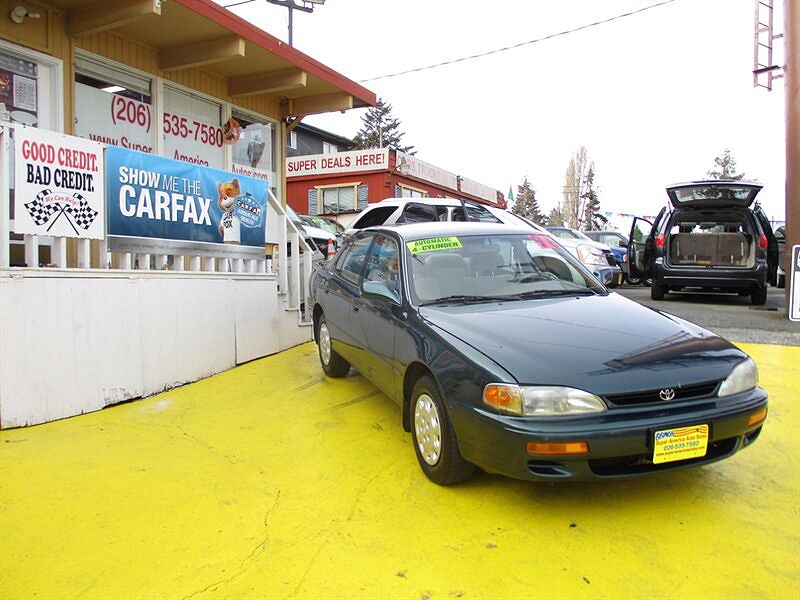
303	5
791	38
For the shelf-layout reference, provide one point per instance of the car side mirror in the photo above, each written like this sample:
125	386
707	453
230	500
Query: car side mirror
622	244
378	290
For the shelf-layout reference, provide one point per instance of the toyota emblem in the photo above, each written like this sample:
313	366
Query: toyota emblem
667	394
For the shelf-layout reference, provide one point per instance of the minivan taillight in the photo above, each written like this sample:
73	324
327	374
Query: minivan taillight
762	241
660	242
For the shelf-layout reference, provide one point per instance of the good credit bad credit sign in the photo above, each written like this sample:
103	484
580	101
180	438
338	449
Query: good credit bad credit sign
155	197
58	185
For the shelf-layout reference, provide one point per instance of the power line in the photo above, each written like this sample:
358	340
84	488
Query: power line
498	50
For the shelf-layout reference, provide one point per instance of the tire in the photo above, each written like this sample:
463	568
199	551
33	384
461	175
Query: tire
333	364
435	441
744	292
633	280
758	296
657	291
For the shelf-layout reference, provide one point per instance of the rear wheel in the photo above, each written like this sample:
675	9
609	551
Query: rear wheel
333	364
657	291
758	296
435	441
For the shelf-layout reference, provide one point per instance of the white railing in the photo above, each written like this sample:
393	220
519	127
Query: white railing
291	266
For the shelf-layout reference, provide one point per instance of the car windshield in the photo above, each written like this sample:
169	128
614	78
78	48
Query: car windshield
486	268
569	234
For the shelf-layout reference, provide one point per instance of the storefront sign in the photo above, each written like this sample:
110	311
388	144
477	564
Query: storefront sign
59	185
113	119
154	197
479	190
414	167
376	159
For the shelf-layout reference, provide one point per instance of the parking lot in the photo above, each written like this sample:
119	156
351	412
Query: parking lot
270	480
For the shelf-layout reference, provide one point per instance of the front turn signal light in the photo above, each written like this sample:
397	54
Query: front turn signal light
757	417
557	448
504	397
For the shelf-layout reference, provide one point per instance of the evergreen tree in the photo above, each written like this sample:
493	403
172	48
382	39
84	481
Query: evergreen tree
526	204
380	129
556	217
725	167
593	219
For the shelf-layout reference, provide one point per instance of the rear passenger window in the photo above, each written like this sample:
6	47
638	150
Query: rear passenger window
376	216
418	213
475	213
351	264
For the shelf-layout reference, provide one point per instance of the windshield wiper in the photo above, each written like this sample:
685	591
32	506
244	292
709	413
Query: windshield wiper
549	293
466	299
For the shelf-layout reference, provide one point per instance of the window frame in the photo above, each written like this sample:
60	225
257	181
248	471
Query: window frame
345	254
321	198
399	248
403	186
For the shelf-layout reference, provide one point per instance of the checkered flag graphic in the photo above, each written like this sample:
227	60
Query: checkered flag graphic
39	211
83	214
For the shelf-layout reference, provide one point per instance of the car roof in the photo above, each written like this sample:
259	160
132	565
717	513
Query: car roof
431	201
416	231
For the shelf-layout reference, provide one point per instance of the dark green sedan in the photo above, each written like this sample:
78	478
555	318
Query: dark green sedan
505	354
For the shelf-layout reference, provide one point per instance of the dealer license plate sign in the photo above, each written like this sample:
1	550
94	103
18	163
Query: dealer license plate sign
680	444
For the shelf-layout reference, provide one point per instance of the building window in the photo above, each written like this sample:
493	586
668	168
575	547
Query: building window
291	140
113	106
192	128
254	151
338	199
409	192
328	148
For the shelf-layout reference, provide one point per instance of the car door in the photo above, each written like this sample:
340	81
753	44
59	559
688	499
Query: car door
379	319
638	259
773	251
340	300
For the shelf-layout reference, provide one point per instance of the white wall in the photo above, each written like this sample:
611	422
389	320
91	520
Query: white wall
75	342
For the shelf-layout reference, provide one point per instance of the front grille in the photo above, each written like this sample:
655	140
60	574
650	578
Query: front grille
699	390
610	258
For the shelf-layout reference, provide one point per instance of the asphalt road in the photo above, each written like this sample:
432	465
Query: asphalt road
728	315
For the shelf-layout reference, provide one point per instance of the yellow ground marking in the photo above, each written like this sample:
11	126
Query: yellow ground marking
270	480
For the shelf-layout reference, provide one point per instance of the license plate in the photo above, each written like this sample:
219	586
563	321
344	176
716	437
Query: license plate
681	443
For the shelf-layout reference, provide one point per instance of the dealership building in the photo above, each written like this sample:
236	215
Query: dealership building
339	184
143	240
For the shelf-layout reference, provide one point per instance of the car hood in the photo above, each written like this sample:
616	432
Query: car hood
574	243
601	344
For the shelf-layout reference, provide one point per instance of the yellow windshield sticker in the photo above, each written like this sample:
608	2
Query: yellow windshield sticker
433	244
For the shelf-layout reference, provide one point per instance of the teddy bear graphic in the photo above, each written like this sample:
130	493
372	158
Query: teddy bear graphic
229	224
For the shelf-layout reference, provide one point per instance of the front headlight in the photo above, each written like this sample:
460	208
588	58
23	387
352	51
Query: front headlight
743	377
541	401
589	255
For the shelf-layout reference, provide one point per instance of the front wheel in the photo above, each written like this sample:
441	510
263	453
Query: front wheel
333	364
758	296
434	439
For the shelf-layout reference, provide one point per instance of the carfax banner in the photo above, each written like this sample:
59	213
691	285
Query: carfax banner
58	185
155	197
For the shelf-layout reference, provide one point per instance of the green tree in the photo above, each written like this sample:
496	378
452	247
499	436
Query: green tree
593	219
380	129
526	204
725	167
555	218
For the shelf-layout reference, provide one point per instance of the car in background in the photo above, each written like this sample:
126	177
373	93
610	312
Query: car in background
316	237
618	243
414	210
593	254
713	237
504	353
330	225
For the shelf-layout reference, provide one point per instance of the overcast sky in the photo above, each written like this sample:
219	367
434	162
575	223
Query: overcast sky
654	97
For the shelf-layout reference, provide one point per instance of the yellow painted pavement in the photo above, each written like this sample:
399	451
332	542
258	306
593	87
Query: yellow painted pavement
272	481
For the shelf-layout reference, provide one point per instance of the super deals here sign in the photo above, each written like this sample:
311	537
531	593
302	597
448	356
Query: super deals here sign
58	185
155	197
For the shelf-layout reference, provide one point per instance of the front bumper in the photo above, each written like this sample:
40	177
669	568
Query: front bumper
609	275
620	440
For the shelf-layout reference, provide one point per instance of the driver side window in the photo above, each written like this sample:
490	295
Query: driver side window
384	263
352	263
